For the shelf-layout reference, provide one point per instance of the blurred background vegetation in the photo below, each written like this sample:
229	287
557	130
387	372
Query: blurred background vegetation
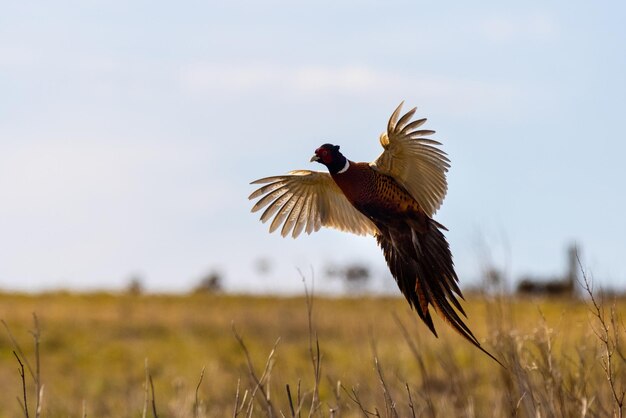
340	356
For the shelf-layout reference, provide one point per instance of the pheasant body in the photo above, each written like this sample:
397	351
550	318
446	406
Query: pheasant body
377	196
393	199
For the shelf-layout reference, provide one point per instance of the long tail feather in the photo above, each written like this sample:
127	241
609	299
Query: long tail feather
419	259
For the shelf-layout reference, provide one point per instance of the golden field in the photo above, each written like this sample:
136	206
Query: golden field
374	358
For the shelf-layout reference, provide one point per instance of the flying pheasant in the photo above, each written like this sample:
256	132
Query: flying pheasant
393	198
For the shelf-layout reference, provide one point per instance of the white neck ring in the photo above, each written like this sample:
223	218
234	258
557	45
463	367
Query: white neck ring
345	167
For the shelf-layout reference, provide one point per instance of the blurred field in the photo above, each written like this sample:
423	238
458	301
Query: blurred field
93	349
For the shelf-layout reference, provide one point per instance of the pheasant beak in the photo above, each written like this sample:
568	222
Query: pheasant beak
314	158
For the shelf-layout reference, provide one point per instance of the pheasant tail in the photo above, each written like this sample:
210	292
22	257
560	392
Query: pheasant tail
420	261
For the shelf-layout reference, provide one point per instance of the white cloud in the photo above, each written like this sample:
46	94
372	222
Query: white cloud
521	28
95	209
17	57
457	94
342	79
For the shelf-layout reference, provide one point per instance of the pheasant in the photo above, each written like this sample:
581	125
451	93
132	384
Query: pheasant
392	198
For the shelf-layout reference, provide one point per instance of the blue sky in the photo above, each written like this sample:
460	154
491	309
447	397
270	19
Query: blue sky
129	132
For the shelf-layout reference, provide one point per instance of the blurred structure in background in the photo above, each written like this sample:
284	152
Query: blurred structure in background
135	285
263	266
356	276
211	283
556	286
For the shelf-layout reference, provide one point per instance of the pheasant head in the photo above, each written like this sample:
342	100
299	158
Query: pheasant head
329	155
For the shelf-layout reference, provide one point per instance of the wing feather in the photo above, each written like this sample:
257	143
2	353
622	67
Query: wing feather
275	206
404	120
269	197
413	160
304	200
413	125
282	212
303	215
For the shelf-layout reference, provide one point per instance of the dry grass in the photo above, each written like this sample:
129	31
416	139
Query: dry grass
214	356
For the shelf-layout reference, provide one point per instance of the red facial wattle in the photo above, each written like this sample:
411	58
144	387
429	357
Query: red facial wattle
324	154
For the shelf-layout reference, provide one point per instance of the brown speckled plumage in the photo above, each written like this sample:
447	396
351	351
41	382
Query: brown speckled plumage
374	193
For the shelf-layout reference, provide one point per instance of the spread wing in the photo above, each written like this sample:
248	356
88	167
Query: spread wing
304	200
413	160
